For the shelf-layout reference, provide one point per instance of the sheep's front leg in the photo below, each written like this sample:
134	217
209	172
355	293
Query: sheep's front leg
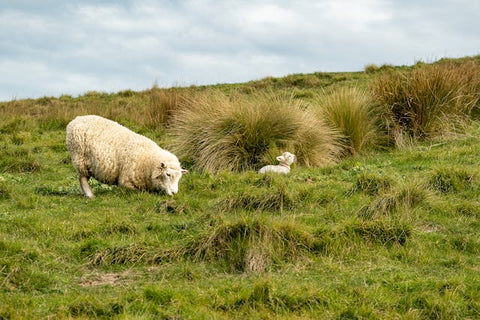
85	187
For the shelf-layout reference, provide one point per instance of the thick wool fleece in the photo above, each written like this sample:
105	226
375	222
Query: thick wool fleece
113	154
286	159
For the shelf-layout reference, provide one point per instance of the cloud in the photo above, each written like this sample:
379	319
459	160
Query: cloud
55	47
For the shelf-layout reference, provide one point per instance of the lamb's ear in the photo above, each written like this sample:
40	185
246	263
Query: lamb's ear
280	158
184	170
163	165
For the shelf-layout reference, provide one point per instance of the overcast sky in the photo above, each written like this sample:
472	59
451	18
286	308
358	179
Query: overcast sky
55	47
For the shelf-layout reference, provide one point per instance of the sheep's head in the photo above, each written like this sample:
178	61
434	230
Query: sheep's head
287	158
166	176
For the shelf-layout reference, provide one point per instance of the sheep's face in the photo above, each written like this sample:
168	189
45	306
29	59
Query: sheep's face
287	158
166	178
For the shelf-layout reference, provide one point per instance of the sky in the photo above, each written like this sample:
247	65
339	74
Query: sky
55	47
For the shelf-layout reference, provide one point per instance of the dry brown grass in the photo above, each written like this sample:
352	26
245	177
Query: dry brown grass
152	108
428	101
353	113
219	132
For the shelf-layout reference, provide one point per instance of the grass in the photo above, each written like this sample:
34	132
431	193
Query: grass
430	100
216	132
385	235
353	113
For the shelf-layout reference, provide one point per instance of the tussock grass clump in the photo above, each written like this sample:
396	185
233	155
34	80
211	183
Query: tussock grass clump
218	132
98	253
447	180
412	194
252	245
162	104
353	113
270	200
381	205
428	101
372	184
384	232
406	197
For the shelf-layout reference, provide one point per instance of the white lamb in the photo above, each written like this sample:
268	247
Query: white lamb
286	159
112	154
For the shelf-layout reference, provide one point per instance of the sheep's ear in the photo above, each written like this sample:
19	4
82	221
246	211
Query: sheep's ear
184	170
280	158
163	165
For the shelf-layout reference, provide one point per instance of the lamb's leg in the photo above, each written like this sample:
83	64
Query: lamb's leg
85	187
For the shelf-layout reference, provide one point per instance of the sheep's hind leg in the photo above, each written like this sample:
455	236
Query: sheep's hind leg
85	187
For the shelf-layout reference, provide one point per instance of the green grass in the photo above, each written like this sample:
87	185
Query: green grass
385	235
381	236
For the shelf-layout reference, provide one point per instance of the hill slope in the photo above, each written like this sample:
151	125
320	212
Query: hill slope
386	235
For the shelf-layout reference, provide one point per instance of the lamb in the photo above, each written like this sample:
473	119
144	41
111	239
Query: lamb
112	154
286	159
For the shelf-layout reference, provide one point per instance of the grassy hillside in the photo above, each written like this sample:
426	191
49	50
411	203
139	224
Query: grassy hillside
386	233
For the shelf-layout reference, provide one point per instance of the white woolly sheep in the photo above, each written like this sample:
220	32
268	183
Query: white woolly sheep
112	154
286	159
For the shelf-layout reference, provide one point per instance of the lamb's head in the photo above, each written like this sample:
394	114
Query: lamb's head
286	158
166	176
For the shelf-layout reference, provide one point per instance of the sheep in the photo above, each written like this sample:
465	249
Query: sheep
286	159
114	155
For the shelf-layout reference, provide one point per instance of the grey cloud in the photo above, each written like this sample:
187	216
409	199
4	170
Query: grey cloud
54	47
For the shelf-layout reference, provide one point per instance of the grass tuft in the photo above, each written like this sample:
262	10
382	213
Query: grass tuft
383	232
447	180
163	103
216	132
406	197
372	184
353	113
96	253
271	200
252	245
428	101
118	255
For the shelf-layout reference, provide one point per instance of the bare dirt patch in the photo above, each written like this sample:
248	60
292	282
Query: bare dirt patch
105	279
